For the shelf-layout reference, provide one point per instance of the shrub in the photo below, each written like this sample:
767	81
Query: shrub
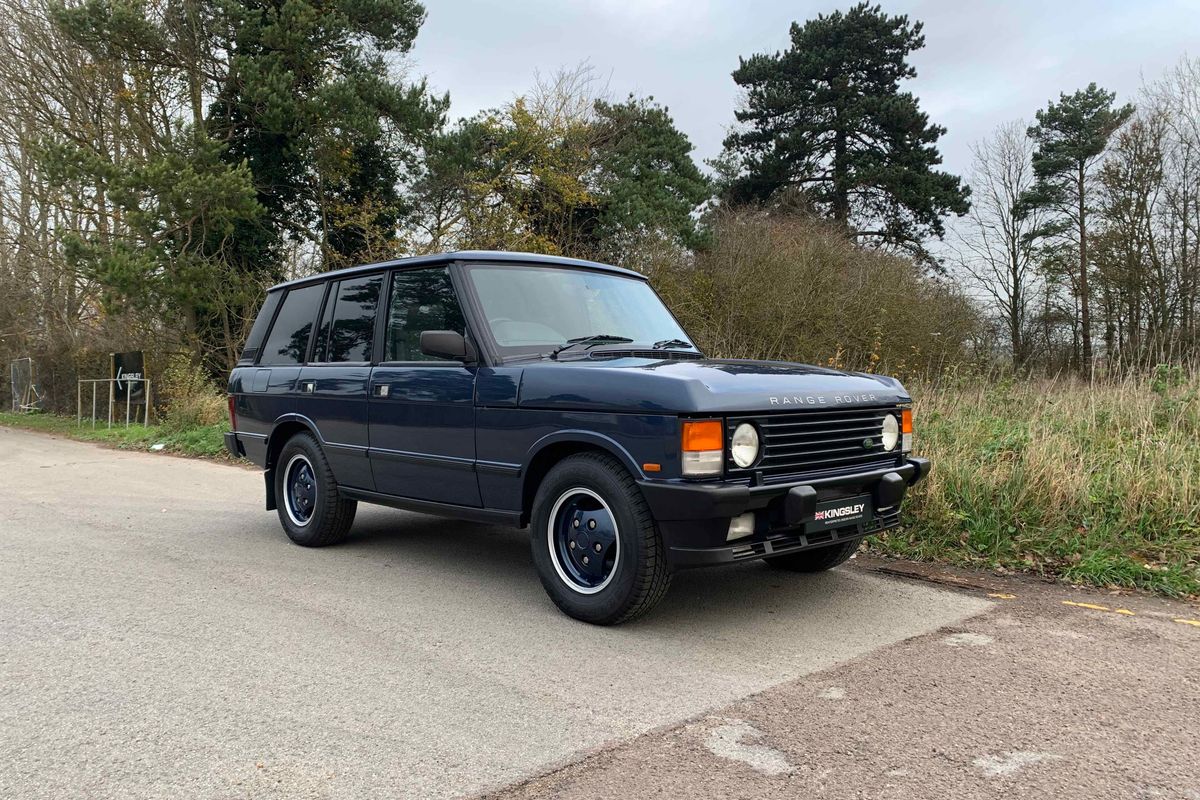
792	288
188	397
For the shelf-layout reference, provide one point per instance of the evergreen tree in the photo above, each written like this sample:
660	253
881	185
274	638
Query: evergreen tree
558	172
826	126
240	124
648	182
1070	137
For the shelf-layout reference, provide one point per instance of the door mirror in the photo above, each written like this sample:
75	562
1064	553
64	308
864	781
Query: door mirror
446	344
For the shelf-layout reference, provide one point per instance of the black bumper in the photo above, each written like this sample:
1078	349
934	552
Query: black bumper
233	445
694	517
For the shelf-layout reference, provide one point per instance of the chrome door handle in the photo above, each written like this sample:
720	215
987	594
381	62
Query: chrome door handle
308	387
380	390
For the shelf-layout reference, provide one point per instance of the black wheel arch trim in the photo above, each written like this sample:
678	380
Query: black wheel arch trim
271	450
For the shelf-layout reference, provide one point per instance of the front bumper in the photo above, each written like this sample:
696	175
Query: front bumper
694	517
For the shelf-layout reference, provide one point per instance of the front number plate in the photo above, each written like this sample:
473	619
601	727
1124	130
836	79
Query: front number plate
840	513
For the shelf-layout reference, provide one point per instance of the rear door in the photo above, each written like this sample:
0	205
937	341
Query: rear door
422	409
335	381
271	388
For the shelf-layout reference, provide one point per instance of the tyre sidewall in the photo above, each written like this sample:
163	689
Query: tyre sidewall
613	600
312	533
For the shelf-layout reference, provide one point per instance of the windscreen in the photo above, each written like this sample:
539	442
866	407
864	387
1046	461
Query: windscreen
535	309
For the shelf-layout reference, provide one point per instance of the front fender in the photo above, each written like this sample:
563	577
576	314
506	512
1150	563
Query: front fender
585	437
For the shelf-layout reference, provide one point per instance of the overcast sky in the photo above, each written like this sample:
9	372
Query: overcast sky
984	63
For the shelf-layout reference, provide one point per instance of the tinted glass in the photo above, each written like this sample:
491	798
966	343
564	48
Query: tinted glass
288	341
422	300
259	330
533	309
352	330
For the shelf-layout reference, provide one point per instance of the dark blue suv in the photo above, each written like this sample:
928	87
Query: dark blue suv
561	395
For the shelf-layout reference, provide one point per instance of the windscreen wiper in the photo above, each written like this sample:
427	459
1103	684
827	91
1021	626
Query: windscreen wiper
589	341
666	344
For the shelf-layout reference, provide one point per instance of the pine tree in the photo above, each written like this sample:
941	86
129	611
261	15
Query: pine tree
825	125
1070	137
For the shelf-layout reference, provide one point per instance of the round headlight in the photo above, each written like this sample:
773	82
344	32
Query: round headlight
744	447
891	432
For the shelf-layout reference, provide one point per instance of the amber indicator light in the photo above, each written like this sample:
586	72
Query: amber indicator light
702	435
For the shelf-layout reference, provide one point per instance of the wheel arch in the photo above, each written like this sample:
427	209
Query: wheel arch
285	428
556	447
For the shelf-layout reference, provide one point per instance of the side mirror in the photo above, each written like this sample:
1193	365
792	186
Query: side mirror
446	344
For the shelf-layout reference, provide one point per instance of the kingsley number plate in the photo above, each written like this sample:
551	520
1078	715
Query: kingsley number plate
839	513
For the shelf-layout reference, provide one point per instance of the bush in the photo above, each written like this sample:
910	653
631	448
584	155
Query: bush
188	397
792	288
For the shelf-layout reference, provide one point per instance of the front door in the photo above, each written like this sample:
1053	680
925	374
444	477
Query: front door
422	409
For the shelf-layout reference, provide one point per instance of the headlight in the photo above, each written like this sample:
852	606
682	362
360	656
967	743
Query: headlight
744	446
891	432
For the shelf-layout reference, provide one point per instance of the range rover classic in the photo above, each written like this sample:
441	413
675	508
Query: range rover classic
561	396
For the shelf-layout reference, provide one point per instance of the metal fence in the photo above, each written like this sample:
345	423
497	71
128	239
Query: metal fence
111	399
25	393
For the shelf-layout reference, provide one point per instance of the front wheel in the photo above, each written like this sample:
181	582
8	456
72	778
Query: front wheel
818	559
595	545
311	509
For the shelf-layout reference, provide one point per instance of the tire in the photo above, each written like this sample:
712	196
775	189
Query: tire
317	515
629	575
816	560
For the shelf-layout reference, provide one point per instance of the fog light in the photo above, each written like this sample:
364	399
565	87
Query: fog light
740	527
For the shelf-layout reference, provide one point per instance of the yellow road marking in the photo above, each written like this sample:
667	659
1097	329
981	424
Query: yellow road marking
1124	611
1002	596
1092	606
1195	622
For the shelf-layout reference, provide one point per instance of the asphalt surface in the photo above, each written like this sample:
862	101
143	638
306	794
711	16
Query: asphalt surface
1050	694
160	637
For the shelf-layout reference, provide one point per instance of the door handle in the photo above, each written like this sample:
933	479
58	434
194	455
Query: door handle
380	390
308	387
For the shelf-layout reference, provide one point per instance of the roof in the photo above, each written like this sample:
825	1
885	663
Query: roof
477	256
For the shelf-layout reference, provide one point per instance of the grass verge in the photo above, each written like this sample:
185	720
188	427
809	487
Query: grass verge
1091	483
200	441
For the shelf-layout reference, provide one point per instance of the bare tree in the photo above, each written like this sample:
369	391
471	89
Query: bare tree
1177	96
993	244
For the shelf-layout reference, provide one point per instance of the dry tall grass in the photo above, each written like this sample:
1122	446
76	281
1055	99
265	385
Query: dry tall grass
1097	483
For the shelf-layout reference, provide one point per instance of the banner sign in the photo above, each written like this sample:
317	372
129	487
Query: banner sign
124	367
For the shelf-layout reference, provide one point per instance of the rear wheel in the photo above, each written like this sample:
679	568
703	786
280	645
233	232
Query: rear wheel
595	545
816	560
310	508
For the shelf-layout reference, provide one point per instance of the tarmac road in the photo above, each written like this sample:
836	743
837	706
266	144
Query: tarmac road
161	637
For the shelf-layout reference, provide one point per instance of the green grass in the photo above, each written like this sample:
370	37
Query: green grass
1091	483
204	442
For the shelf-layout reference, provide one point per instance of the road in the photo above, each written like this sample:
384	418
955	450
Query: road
160	637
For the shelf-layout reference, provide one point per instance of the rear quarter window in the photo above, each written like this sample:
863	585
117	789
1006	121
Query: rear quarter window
258	330
288	341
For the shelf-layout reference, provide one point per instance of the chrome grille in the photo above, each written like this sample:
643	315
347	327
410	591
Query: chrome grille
801	442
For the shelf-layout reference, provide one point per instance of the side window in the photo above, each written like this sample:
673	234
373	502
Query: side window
288	340
255	339
348	324
422	300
